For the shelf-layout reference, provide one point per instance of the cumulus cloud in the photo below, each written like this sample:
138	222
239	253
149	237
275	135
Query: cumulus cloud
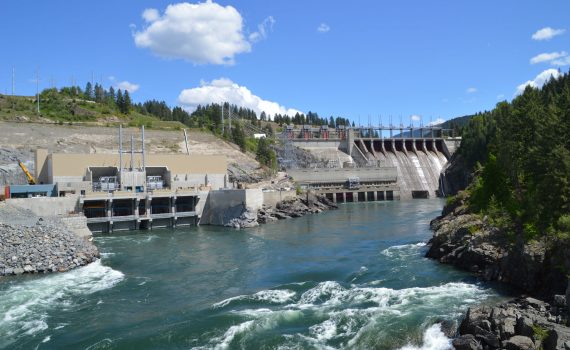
547	57
323	28
126	85
225	90
471	90
150	15
547	33
436	122
415	118
563	61
262	29
539	80
203	33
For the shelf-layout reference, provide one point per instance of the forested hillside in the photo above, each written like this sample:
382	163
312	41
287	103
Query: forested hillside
520	152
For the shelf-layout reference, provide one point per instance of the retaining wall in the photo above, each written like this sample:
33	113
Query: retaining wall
272	198
47	206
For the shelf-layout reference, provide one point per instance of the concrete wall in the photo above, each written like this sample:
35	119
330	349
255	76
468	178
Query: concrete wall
63	164
46	206
254	198
41	171
273	197
216	181
223	205
341	175
317	143
77	224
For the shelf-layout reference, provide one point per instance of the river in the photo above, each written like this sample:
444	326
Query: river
350	278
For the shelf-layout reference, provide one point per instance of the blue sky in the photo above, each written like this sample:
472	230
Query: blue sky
437	59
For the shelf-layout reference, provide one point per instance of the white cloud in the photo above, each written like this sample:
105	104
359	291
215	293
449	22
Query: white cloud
546	57
150	15
436	122
415	118
323	28
200	33
539	80
225	90
547	33
471	90
126	85
262	29
564	61
500	97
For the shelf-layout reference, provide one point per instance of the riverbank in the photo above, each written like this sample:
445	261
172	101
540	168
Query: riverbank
536	267
287	209
34	244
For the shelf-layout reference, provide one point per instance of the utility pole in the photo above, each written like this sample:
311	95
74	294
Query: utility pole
13	78
38	88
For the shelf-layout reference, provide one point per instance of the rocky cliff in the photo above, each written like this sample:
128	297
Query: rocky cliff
537	267
470	242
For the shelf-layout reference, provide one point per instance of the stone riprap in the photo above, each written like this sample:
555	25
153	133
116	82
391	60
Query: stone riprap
31	244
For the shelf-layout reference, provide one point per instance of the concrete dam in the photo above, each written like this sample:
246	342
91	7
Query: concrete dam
416	160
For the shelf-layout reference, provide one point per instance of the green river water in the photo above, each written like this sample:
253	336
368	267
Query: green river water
350	278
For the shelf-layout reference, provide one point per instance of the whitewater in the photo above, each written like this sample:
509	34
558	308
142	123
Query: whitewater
355	278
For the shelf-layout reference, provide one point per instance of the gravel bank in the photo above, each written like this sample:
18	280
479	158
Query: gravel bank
32	244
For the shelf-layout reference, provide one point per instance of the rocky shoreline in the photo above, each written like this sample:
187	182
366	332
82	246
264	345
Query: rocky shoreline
470	242
32	244
291	208
523	323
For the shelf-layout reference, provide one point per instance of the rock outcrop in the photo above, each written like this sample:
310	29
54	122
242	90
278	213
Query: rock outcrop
537	267
470	242
524	323
291	208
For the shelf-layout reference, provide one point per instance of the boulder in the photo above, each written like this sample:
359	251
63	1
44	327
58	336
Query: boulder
519	342
466	342
524	327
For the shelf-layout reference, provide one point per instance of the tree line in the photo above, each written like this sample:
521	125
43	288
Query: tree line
520	152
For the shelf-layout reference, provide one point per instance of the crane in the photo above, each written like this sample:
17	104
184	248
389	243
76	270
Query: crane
31	180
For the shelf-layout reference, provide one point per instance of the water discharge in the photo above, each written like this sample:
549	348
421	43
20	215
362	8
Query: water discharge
352	278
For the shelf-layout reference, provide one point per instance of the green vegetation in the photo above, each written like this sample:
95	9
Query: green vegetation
520	152
95	104
540	333
265	154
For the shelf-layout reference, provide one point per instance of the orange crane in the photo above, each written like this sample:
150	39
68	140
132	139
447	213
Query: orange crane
31	180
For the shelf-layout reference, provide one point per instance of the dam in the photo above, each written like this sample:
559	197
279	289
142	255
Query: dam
400	162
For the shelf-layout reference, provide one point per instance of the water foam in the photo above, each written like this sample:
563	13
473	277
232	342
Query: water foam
433	339
272	296
25	305
352	315
403	251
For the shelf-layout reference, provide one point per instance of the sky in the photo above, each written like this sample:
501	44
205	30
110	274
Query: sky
364	60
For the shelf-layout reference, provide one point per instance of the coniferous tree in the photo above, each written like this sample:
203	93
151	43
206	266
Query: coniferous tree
120	101
111	96
88	91
127	103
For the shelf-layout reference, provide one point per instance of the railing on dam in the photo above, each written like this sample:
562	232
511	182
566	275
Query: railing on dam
370	132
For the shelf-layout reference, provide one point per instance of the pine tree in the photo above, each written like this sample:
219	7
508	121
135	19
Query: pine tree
120	101
99	93
127	104
89	91
111	96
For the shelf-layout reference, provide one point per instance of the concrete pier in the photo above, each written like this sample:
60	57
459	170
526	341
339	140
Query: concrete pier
109	212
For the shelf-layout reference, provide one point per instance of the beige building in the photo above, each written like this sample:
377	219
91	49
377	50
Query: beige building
83	173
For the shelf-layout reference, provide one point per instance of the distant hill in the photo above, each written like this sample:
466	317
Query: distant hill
59	108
